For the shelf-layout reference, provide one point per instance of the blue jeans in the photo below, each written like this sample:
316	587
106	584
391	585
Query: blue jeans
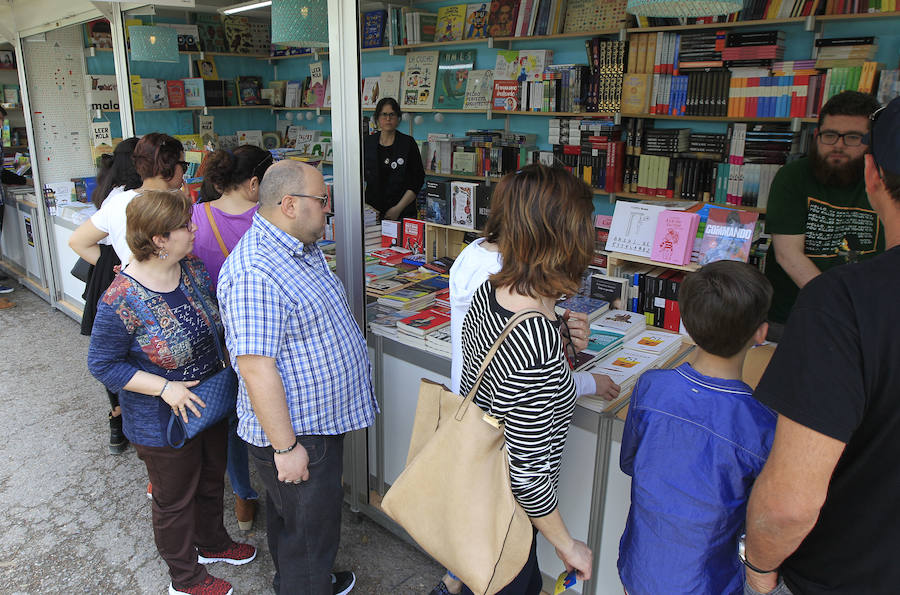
303	520
238	464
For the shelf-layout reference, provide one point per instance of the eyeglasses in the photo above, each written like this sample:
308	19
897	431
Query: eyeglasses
387	115
184	165
851	139
321	198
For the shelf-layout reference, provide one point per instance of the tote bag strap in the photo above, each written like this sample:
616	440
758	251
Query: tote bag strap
209	316
215	229
513	322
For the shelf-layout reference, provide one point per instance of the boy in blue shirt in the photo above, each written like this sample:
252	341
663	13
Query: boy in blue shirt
694	441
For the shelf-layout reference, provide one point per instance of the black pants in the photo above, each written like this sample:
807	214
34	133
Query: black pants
529	580
303	520
187	501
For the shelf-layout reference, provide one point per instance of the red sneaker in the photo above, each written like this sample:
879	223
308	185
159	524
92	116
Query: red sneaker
210	586
149	490
236	554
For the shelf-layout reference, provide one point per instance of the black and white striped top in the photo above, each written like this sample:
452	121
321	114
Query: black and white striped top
528	387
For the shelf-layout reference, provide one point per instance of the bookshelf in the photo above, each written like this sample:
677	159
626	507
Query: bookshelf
617	257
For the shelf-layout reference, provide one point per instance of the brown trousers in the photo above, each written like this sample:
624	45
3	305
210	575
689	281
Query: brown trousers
188	483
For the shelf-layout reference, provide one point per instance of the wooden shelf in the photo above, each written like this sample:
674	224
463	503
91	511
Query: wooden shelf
233	54
855	17
300	109
716	118
640	259
636	196
451	227
576	34
556	114
309	55
763	22
435	174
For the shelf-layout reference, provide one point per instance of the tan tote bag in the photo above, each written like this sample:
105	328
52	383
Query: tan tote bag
454	496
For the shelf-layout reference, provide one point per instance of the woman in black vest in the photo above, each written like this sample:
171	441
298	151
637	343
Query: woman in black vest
393	165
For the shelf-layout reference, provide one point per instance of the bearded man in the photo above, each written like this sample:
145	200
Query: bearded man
818	212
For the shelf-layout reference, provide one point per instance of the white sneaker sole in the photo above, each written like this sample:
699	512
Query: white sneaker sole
349	587
232	561
174	591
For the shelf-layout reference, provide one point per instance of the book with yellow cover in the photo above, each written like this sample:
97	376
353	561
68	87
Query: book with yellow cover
450	23
636	93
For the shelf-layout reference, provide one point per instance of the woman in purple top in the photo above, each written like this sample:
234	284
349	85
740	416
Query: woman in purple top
228	202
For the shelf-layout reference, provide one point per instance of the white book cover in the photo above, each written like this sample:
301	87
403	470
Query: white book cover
655	342
371	91
479	87
633	228
462	204
506	68
250	137
419	79
625	365
390	84
623	321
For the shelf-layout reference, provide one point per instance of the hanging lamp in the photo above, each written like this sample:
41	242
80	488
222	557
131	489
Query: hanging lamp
300	23
154	44
683	8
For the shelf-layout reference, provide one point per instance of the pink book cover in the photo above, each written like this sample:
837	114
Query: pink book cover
674	239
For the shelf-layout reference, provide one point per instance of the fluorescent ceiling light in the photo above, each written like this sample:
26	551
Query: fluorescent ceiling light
245	6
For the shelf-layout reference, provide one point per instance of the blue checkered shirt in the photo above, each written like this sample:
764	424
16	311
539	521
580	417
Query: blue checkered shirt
279	299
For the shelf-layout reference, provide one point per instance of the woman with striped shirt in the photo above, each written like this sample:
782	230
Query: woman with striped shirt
546	245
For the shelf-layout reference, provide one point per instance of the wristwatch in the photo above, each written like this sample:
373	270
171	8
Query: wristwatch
742	556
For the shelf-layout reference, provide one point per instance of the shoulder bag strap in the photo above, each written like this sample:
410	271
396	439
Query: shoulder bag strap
215	229
213	328
514	321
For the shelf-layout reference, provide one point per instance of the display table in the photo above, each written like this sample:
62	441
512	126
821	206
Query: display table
22	246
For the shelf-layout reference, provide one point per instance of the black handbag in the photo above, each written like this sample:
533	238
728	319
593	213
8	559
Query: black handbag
219	392
82	270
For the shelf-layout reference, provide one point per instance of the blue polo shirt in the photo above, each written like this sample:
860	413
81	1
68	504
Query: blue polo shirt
693	446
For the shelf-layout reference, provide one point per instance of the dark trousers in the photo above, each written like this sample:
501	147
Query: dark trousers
303	520
113	399
529	580
187	501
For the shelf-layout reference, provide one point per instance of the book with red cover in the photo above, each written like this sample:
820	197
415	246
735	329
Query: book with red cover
506	96
175	91
502	18
728	235
424	322
414	236
674	239
391	233
391	255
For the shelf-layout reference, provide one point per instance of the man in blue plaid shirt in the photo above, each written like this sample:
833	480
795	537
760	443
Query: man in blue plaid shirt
305	374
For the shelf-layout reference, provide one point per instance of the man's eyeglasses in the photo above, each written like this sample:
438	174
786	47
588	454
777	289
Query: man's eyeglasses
387	115
321	198
851	139
184	165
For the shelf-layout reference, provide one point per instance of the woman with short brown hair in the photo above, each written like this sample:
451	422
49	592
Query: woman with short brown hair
546	244
152	341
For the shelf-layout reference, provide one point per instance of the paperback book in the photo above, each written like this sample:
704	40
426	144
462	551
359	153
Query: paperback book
452	75
479	88
419	79
728	235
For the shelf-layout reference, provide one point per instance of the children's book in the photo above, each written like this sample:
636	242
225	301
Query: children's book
453	73
206	130
250	137
674	238
479	88
188	37
502	19
462	204
194	95
506	95
728	235
531	64
212	33
476	20
206	68
278	89
371	90
655	342
373	28
175	90
137	91
316	85
237	34
450	23
249	90
155	96
390	84
506	67
419	79
621	321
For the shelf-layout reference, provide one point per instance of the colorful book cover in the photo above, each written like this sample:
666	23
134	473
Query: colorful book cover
674	238
462	204
452	75
188	37
175	90
371	89
476	20
391	233
728	235
137	91
237	34
502	19
654	342
424	322
531	64
419	79
206	68
506	95
155	96
479	89
450	23
506	67
587	305
414	236
194	95
212	33
373	28
249	90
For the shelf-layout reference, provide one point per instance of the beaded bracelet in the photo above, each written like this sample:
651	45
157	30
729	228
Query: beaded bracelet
288	449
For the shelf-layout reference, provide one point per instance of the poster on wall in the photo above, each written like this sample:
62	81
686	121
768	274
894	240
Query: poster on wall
101	134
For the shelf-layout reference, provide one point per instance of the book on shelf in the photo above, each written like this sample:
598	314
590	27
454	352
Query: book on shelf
373	28
613	290
633	228
437	209
98	32
414	236
590	306
237	34
419	79
636	93
175	91
188	36
391	233
476	25
249	90
503	14
278	91
462	203
206	68
422	323
674	238
452	75
479	90
483	194
212	33
137	91
728	235
662	345
506	95
506	65
370	92
439	265
450	23
206	130
391	256
378	271
250	137
154	93
390	84
594	15
214	92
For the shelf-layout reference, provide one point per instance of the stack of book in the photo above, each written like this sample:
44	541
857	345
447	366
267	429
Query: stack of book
414	329
592	307
413	297
753	48
845	51
438	342
382	320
